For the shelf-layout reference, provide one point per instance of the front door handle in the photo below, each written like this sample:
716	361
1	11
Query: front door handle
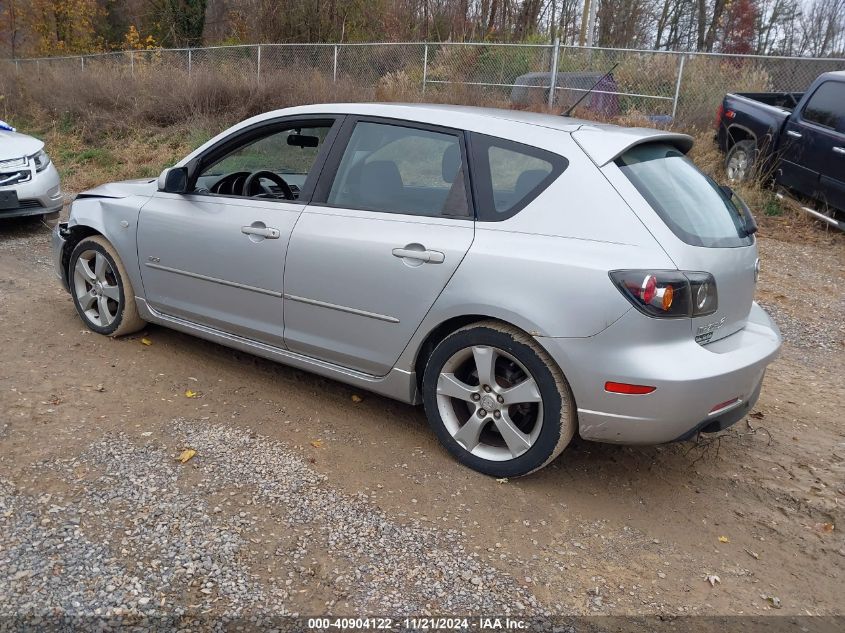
262	231
429	257
793	133
839	150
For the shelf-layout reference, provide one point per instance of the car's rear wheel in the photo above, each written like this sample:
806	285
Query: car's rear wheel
739	162
497	401
101	290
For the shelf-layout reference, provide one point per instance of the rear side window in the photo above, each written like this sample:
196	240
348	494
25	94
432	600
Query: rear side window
697	210
397	169
827	106
510	175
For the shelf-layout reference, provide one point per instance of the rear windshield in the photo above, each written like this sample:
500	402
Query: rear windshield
696	209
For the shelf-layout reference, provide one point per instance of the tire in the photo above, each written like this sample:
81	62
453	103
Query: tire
455	400
115	289
740	160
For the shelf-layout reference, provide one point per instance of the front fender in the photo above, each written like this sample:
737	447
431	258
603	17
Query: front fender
116	219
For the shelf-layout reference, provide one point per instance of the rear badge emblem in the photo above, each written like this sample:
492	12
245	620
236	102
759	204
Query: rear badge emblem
705	332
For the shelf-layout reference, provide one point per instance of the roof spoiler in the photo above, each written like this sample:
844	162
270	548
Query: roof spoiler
605	144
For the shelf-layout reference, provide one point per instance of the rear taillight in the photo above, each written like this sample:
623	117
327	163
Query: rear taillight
668	293
721	113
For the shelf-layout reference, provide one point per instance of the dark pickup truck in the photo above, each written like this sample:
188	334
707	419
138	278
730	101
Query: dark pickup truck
797	139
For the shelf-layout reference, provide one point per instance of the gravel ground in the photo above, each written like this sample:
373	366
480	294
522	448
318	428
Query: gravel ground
137	533
801	286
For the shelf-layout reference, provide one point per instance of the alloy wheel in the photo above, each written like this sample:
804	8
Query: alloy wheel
737	167
490	403
96	288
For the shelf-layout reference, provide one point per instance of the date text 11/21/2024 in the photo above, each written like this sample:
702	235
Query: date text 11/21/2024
421	623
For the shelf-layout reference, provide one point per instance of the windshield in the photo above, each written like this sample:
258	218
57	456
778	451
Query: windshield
697	210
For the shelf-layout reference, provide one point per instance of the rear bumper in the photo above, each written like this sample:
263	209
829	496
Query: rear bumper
690	379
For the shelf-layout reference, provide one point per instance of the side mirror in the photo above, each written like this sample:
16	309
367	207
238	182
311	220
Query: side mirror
174	180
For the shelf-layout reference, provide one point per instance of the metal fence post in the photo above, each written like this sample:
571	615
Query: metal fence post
678	87
132	63
258	76
334	70
82	59
425	66
553	78
17	67
190	61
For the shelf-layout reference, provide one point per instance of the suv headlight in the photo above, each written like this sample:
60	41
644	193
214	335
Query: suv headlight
41	160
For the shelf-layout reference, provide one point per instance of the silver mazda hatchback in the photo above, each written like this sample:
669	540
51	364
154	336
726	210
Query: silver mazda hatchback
523	276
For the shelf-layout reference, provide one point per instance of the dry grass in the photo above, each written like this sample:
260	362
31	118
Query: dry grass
110	124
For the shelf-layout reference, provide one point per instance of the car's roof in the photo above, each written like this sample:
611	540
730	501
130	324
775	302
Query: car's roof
601	142
444	112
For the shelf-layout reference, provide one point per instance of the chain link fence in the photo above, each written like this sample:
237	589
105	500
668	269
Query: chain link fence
685	88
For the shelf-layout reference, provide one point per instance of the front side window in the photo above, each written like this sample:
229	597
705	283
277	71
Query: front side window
827	106
273	166
692	205
511	174
400	169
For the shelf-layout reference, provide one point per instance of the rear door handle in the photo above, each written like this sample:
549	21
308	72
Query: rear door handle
430	257
262	231
839	150
793	133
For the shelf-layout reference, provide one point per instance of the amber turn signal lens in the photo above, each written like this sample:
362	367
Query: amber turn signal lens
668	295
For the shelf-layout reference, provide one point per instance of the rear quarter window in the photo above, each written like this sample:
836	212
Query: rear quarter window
690	203
509	175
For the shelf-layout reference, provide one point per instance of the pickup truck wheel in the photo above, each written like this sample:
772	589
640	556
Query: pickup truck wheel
739	163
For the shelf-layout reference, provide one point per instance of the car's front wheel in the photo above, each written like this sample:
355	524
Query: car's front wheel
101	290
497	401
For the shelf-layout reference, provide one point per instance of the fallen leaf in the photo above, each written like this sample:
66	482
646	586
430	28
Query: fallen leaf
186	455
724	539
503	480
100	388
317	443
824	527
753	555
191	394
146	341
757	415
356	398
774	601
713	579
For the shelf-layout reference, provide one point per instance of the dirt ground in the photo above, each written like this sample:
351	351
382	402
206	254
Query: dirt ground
603	530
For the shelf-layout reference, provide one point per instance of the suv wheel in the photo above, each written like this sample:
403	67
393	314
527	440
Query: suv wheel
497	401
101	290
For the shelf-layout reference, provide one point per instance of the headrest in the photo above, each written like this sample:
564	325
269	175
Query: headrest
528	180
451	162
